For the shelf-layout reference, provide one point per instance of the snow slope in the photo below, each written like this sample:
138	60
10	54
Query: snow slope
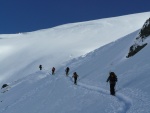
40	92
22	53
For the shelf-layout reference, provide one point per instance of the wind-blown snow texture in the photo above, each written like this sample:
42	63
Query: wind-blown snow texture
77	46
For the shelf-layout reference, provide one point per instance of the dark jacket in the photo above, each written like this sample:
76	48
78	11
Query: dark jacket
112	78
67	69
75	75
40	66
53	69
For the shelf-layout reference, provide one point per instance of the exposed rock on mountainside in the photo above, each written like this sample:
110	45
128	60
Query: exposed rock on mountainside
139	43
145	31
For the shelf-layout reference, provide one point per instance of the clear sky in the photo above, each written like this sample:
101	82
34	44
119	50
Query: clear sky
30	15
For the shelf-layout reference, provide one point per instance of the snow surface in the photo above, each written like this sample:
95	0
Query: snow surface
92	49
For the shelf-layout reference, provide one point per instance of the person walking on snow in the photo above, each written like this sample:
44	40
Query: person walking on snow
40	66
75	76
53	71
112	80
67	71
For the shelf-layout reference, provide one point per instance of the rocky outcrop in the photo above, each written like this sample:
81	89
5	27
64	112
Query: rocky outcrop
143	34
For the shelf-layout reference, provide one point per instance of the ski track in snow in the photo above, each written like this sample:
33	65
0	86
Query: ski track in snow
125	101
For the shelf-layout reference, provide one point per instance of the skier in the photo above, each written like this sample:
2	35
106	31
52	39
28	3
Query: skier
75	76
53	71
112	80
67	71
40	66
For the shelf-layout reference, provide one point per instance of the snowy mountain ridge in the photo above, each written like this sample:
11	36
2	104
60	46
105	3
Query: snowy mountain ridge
35	91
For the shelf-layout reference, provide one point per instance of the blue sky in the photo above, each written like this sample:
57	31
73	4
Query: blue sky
30	15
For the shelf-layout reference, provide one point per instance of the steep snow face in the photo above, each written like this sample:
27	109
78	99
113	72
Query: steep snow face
21	54
41	92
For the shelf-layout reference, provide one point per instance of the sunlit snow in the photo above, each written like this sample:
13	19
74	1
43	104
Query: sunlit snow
92	49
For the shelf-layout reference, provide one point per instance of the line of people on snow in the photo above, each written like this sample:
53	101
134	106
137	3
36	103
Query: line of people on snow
112	79
53	69
75	76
